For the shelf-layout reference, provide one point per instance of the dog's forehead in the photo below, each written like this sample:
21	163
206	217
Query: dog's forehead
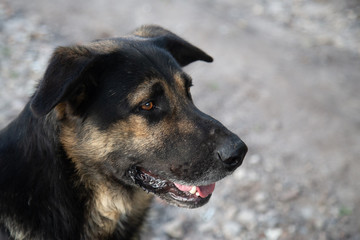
139	65
170	86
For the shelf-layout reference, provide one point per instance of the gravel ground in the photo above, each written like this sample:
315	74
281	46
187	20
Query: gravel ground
286	78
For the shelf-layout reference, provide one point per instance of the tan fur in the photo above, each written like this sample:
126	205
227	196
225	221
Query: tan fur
60	111
95	145
75	53
16	231
104	46
142	92
111	205
179	81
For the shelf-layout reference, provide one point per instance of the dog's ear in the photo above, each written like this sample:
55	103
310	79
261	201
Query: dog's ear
62	77
183	52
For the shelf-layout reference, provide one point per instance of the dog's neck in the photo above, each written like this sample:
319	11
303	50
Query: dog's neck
112	213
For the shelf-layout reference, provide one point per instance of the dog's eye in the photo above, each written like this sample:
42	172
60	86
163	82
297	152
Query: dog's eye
147	106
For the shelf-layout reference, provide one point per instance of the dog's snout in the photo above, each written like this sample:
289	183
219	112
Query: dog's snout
232	155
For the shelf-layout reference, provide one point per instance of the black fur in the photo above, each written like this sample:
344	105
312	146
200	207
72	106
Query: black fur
57	175
37	180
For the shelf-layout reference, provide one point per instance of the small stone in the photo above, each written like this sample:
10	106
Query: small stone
230	212
270	218
208	215
276	8
258	9
307	212
174	229
261	207
231	229
252	176
273	233
259	197
319	222
291	194
276	124
239	174
254	159
248	218
206	226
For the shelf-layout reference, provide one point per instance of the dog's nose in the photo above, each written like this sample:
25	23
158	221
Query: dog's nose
232	155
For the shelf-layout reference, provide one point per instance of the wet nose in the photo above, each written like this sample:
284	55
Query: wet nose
232	155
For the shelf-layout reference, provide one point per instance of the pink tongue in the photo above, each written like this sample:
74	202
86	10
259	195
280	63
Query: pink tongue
183	188
204	191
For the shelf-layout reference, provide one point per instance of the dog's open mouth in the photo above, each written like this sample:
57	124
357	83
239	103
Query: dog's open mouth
178	194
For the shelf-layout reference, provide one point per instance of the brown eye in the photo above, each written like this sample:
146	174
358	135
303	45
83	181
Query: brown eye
147	106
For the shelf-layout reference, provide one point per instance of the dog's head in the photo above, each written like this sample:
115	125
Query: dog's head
127	116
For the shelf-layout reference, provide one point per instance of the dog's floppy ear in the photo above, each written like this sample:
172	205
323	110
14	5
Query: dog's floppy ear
61	77
183	52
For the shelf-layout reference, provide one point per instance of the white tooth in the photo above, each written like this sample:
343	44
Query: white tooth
197	194
193	190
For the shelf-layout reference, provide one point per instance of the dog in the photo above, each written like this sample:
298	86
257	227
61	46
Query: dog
110	122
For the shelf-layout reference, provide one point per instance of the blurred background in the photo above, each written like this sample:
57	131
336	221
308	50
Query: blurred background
286	79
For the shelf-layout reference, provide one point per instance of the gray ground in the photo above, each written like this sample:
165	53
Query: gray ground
286	78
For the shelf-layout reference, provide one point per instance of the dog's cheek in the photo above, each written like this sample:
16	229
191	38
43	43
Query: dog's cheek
141	137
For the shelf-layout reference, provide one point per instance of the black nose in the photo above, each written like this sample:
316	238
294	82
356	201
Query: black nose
232	155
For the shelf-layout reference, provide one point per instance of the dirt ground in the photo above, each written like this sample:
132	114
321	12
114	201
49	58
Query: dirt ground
286	79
